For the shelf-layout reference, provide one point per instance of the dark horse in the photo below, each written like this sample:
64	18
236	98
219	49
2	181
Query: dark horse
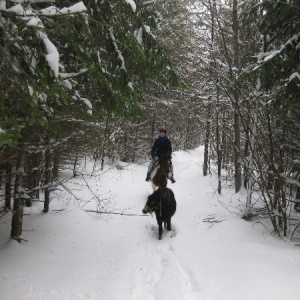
163	203
160	169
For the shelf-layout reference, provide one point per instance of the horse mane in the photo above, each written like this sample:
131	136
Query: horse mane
160	172
160	178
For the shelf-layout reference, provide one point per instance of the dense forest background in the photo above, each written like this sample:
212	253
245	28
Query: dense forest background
97	79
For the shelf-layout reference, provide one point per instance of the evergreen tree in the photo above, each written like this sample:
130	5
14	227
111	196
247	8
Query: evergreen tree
275	149
64	71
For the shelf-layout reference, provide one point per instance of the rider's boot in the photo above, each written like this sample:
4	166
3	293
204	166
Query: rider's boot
148	177
172	179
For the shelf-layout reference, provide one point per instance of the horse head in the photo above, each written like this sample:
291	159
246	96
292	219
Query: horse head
146	209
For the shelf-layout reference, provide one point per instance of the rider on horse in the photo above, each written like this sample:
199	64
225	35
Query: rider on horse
161	147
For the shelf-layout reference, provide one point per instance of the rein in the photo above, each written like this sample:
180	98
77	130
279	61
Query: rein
160	208
151	209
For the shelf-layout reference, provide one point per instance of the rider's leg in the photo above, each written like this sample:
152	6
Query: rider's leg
152	162
172	172
172	169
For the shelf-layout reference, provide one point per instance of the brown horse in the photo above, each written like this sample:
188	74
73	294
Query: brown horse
160	169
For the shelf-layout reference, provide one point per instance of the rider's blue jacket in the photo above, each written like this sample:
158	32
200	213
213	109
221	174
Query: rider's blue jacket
162	146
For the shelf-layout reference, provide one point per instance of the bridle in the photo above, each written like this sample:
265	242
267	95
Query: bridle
152	209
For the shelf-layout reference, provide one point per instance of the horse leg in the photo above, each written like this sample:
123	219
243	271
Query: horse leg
169	225
160	230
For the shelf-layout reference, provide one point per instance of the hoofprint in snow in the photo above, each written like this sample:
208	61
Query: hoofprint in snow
211	253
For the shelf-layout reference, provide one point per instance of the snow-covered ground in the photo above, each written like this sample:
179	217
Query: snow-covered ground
74	254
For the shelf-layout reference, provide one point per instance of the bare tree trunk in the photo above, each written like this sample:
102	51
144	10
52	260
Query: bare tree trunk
237	133
206	142
56	161
32	167
135	141
125	155
47	174
219	150
75	164
281	189
272	187
224	143
246	170
19	195
104	143
237	151
8	184
209	109
247	214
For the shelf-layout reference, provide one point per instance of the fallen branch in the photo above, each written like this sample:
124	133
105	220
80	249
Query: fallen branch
58	210
260	223
211	220
114	213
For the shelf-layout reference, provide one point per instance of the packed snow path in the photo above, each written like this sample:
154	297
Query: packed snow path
211	253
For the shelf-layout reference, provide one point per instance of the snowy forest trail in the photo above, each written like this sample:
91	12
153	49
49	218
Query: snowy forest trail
155	265
210	254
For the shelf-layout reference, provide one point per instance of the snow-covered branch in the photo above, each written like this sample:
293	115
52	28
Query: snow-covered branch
119	54
132	4
266	56
32	16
